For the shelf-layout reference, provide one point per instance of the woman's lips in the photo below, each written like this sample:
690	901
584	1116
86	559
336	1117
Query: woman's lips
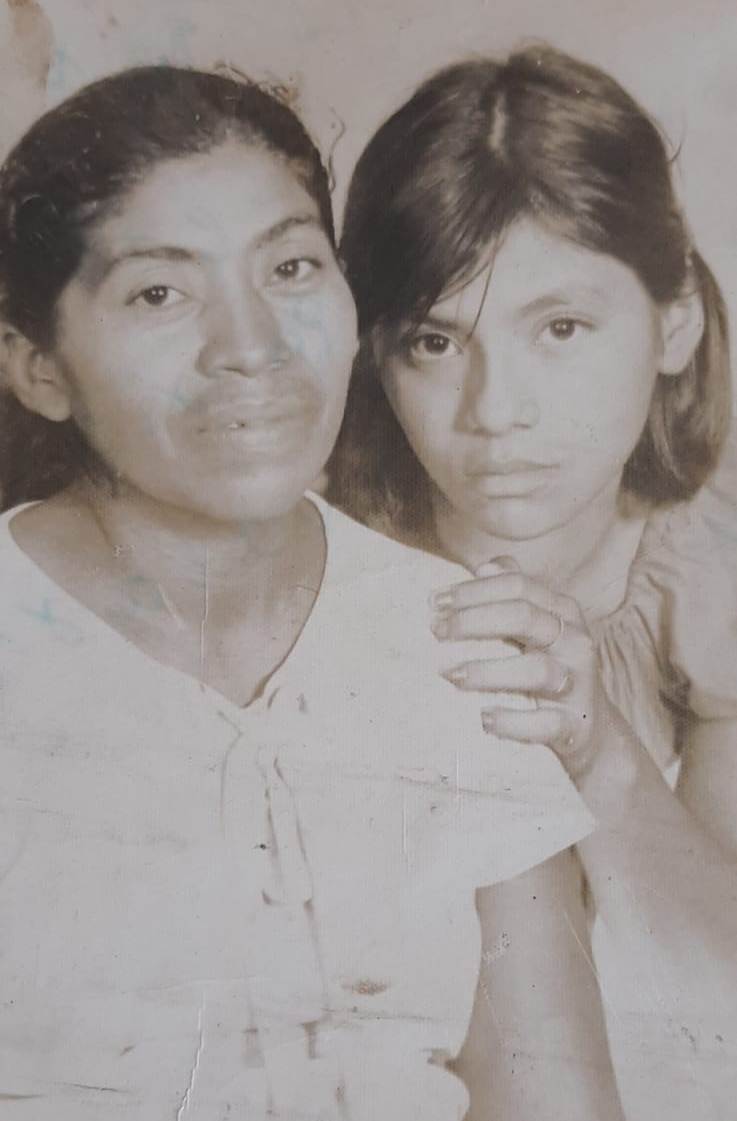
253	430
253	416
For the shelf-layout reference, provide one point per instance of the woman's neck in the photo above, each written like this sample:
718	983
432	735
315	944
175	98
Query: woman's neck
198	565
588	558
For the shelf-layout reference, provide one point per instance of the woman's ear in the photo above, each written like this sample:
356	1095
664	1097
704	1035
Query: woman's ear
682	326
33	376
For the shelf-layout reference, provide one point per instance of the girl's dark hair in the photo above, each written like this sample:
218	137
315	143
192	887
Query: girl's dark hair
66	173
479	145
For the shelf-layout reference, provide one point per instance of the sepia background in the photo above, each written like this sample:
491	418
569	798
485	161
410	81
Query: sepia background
351	61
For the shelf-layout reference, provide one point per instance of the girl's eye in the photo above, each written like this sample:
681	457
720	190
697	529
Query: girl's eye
433	345
296	268
159	296
563	328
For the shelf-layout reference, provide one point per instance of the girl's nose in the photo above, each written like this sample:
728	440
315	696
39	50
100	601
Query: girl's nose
243	336
497	400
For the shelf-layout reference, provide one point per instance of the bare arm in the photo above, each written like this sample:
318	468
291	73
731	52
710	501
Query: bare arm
663	866
707	783
536	1049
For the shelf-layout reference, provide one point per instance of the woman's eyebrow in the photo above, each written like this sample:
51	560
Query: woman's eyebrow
279	229
100	265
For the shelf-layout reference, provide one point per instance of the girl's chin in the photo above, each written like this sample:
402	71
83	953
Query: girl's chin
514	518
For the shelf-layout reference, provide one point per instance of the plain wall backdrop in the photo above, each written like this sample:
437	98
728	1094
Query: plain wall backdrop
351	62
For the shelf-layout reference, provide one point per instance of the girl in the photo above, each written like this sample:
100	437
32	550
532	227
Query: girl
238	859
544	380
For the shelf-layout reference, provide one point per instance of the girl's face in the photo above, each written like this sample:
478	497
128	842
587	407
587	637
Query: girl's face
524	394
206	341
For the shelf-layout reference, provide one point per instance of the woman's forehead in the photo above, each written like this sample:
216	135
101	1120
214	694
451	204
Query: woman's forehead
236	194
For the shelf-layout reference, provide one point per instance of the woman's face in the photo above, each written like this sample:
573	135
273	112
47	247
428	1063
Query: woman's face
524	394
207	338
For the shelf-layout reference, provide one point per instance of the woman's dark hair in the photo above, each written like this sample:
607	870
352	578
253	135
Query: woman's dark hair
479	145
66	173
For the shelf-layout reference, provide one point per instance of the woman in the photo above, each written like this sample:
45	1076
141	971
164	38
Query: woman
544	380
239	860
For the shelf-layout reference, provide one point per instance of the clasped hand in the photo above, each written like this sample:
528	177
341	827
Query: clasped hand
556	665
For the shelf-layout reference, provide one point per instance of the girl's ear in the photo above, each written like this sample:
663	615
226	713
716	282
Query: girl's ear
682	326
33	376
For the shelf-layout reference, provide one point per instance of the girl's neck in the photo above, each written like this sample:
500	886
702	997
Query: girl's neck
588	558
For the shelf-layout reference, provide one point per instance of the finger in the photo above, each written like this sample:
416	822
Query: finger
535	673
496	566
501	588
519	621
550	726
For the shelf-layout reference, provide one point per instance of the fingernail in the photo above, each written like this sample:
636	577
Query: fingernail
442	599
488	719
456	675
488	568
441	626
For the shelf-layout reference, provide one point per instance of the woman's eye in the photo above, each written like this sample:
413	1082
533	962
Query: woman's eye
296	268
159	296
433	344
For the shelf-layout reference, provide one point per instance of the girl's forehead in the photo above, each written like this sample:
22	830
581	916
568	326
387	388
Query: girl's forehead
529	263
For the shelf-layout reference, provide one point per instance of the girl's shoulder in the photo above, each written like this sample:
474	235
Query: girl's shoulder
671	648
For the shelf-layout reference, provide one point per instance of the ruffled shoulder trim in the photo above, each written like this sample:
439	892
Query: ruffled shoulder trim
672	646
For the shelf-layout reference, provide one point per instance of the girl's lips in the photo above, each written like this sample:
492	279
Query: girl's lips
506	467
511	478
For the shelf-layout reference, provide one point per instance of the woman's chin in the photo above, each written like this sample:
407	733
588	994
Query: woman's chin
233	502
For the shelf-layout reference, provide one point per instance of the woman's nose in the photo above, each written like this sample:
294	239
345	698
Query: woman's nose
497	399
243	335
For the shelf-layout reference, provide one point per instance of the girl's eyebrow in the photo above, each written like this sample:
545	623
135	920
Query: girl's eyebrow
561	298
437	323
548	301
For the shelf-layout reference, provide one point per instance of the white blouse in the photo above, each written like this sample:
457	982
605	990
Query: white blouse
209	911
